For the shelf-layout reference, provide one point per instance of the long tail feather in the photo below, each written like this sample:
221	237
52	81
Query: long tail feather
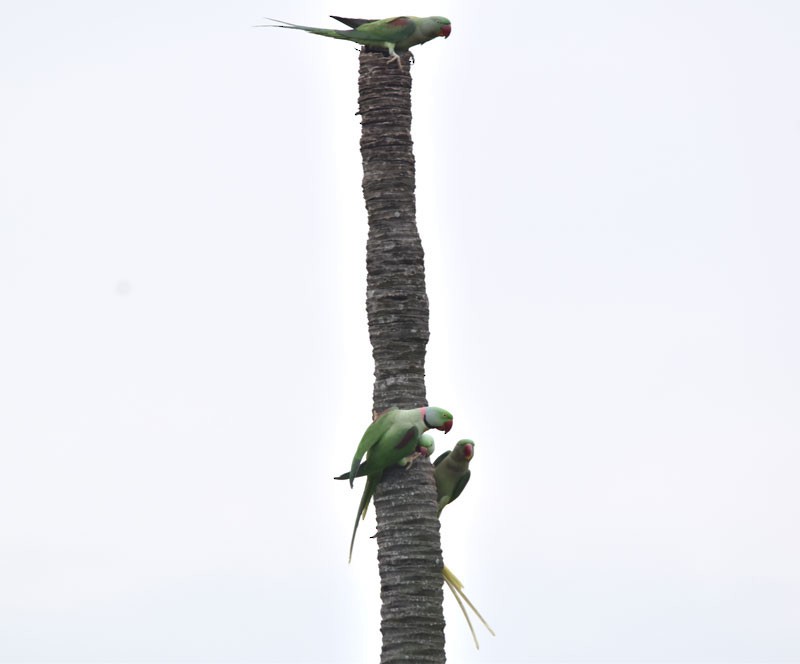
369	489
463	610
283	24
453	581
325	32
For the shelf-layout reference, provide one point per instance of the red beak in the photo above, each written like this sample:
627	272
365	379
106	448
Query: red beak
446	426
445	31
468	452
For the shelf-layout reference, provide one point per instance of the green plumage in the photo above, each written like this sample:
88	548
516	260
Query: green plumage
394	34
394	437
425	448
452	472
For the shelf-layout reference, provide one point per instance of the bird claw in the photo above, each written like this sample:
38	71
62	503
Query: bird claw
394	57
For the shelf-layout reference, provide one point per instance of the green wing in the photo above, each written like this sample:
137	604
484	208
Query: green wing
441	458
371	436
380	457
388	29
460	485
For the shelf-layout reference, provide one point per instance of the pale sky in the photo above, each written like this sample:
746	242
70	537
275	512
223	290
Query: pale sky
609	200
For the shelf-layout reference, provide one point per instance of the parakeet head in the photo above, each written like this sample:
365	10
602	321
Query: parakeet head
444	26
437	418
466	448
425	445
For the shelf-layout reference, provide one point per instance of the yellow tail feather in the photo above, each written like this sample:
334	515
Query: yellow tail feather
456	587
455	592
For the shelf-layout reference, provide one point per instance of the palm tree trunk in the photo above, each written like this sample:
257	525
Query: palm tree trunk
409	548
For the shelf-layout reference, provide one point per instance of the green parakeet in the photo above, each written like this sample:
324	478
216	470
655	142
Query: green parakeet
391	438
425	448
452	474
394	34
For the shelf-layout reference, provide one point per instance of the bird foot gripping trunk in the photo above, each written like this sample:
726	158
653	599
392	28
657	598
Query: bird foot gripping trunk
409	547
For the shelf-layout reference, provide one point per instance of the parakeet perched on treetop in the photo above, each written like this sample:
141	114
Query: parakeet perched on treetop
394	34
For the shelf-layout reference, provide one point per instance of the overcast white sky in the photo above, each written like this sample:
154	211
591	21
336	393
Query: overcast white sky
609	198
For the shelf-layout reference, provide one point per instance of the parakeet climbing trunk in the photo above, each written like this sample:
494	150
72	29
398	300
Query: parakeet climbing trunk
409	548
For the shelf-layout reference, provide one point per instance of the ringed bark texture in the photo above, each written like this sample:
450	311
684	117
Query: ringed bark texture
409	547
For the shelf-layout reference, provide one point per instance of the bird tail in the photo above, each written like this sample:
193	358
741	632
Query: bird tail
369	489
456	587
325	32
353	538
359	473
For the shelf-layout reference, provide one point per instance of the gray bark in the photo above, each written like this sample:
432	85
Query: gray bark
409	547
